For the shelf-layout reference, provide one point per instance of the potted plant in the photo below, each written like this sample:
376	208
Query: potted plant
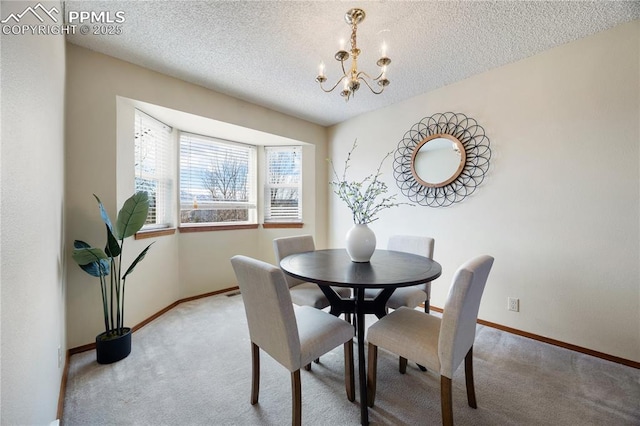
114	343
365	198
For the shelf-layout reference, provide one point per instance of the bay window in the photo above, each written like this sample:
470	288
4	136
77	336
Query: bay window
283	184
153	168
217	181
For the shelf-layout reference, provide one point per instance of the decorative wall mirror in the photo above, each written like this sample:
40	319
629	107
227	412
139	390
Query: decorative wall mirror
442	159
437	160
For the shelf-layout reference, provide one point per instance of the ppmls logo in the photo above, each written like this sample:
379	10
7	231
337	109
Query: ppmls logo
22	23
33	11
89	22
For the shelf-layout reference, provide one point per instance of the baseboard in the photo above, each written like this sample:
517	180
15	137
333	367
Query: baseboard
555	342
63	387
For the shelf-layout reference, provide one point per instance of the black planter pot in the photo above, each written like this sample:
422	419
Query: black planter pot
111	347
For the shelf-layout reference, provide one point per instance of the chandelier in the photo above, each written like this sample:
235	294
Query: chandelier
351	79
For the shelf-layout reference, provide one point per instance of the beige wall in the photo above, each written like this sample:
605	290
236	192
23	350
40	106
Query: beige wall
184	264
33	252
559	208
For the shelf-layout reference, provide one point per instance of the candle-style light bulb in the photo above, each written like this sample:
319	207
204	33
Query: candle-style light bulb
341	44
383	50
321	69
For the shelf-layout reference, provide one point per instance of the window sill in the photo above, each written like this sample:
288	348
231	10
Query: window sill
152	233
275	225
208	228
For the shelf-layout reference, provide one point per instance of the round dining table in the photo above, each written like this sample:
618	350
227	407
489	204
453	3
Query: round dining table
387	270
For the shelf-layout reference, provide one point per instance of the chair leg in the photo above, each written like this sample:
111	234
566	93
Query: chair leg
468	374
372	374
296	394
255	373
426	309
317	360
402	365
445	401
349	378
308	367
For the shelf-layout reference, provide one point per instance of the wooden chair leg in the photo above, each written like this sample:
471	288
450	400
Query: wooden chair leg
255	373
308	367
468	374
349	378
426	309
372	374
402	365
296	394
446	403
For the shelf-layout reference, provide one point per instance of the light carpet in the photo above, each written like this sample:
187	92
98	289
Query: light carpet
192	366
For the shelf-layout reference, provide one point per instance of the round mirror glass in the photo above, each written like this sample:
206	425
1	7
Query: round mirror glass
438	160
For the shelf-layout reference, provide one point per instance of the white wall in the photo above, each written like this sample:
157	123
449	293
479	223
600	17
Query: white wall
177	266
559	208
33	254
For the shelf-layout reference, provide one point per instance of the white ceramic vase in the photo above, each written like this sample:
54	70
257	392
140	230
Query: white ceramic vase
361	243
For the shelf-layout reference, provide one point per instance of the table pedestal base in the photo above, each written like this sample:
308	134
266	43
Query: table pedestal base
359	306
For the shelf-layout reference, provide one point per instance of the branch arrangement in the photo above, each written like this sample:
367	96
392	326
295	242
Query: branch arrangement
362	197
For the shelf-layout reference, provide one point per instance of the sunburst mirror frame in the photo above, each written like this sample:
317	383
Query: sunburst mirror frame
450	125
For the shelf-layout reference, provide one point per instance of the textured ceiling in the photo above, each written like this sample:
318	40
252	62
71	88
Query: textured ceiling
268	52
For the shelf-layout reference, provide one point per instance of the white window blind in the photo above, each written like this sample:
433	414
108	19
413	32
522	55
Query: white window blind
153	169
217	181
283	184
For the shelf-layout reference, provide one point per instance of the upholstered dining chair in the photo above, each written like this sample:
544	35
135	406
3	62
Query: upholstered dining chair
440	344
303	293
409	296
293	336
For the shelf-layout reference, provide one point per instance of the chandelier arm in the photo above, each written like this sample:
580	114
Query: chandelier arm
368	76
362	73
369	86
334	86
344	72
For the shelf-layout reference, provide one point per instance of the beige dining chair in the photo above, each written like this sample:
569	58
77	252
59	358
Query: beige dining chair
293	336
303	293
440	344
409	296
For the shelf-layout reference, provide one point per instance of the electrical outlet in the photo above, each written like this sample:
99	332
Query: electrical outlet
513	304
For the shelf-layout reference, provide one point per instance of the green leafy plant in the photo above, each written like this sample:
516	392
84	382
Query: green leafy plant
365	198
107	264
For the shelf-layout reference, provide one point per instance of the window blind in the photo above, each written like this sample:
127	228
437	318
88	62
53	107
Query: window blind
153	170
283	184
217	180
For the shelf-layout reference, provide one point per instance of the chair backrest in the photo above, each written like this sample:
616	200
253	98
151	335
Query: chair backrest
458	328
270	315
422	246
285	246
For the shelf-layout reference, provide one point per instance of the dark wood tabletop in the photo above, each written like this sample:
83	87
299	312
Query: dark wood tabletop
386	269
